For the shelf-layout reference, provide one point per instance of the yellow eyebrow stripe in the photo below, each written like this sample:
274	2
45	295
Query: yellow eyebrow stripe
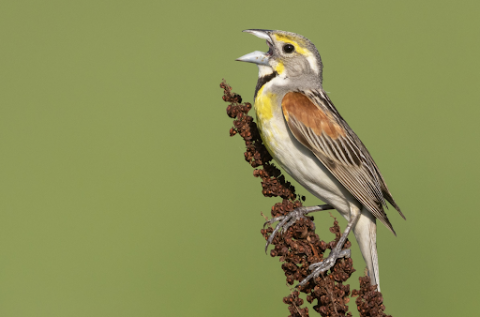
297	44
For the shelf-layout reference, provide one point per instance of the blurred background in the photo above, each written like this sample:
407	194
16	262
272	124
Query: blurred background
122	194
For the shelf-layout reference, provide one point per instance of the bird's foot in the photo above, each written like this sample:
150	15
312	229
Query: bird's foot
337	253
285	222
288	220
320	267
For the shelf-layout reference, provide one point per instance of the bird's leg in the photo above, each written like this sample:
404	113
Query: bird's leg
286	221
335	254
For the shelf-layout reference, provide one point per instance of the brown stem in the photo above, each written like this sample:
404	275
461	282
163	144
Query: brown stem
299	246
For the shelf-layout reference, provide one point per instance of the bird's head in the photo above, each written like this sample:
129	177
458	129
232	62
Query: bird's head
290	55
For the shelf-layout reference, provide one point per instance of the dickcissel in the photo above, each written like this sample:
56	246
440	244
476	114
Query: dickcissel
307	136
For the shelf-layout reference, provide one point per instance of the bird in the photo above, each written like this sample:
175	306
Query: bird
310	140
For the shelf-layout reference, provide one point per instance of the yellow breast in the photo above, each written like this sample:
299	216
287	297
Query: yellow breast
265	104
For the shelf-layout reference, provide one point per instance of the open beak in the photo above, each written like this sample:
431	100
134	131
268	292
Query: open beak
257	57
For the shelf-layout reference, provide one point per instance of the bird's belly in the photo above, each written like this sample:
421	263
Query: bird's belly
300	163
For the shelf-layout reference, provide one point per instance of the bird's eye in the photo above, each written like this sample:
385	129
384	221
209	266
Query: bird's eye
288	48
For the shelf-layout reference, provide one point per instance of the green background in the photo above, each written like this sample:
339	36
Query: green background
121	193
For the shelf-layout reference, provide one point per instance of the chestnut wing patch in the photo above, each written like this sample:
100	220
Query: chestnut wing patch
310	115
323	132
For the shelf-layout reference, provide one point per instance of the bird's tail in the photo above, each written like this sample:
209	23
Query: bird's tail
366	234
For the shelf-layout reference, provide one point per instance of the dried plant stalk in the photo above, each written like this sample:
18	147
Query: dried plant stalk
299	246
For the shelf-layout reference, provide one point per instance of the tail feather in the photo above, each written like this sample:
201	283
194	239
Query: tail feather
366	234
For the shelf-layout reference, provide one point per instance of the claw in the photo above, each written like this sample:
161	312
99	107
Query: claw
325	265
277	228
337	253
272	221
290	219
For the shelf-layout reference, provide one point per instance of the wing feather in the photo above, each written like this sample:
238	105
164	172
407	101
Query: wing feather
316	123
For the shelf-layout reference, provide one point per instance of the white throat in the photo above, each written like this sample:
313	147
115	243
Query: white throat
264	70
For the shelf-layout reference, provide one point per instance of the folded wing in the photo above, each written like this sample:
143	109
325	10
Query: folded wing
316	124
